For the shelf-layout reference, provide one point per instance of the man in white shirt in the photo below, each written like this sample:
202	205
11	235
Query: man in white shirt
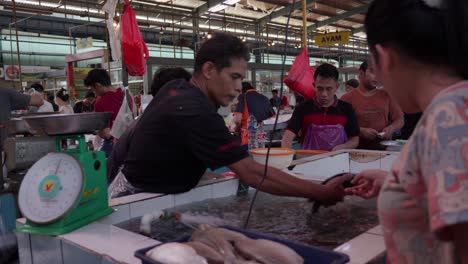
46	107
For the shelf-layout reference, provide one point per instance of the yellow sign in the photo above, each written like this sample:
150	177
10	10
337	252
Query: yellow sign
331	38
80	73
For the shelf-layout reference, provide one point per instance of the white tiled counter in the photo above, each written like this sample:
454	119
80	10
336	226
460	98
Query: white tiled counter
102	242
364	247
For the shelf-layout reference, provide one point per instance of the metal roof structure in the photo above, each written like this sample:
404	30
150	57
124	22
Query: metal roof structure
261	24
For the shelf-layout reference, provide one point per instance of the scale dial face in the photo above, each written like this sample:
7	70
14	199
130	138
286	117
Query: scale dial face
51	188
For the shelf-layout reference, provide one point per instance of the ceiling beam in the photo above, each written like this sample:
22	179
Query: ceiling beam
339	17
282	12
209	4
358	30
343	5
316	21
331	14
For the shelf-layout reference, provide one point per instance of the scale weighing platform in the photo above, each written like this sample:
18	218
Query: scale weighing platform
67	189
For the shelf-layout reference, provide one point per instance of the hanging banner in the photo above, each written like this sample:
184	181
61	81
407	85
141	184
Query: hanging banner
331	38
28	73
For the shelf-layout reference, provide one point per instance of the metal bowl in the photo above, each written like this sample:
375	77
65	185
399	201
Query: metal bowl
62	124
393	145
282	122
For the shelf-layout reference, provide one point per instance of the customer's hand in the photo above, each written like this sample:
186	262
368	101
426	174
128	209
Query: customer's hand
367	183
36	99
335	191
369	133
388	133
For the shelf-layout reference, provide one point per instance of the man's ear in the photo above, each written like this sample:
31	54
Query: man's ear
97	85
362	74
387	59
208	69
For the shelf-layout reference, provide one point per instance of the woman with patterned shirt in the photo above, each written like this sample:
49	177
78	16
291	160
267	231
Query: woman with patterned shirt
419	50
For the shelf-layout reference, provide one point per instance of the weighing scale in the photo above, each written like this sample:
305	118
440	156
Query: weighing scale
66	189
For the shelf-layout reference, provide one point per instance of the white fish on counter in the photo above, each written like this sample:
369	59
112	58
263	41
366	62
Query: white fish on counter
175	253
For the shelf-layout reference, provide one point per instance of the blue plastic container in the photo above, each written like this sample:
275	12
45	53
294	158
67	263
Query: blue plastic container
311	255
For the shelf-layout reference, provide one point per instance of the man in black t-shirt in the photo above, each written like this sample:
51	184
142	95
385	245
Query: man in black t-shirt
180	133
275	101
257	104
324	122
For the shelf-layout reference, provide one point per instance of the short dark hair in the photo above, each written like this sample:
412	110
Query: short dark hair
353	83
90	94
164	75
246	86
97	76
38	87
274	91
326	70
220	50
364	66
425	34
63	95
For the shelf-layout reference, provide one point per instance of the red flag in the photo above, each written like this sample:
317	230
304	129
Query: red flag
301	76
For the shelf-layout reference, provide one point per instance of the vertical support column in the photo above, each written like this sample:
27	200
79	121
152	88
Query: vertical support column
147	78
257	52
70	78
1	55
196	31
124	75
17	47
304	24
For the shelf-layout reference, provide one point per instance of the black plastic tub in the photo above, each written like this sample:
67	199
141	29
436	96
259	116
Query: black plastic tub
311	255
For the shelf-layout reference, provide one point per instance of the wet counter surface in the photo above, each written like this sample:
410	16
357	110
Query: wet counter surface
289	218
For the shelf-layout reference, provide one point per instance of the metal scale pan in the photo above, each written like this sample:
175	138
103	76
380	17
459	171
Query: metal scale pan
68	124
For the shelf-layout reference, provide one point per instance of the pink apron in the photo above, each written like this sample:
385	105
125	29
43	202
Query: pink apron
324	137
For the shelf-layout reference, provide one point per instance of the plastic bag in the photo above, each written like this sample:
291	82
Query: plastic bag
133	46
114	31
125	116
301	76
120	187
